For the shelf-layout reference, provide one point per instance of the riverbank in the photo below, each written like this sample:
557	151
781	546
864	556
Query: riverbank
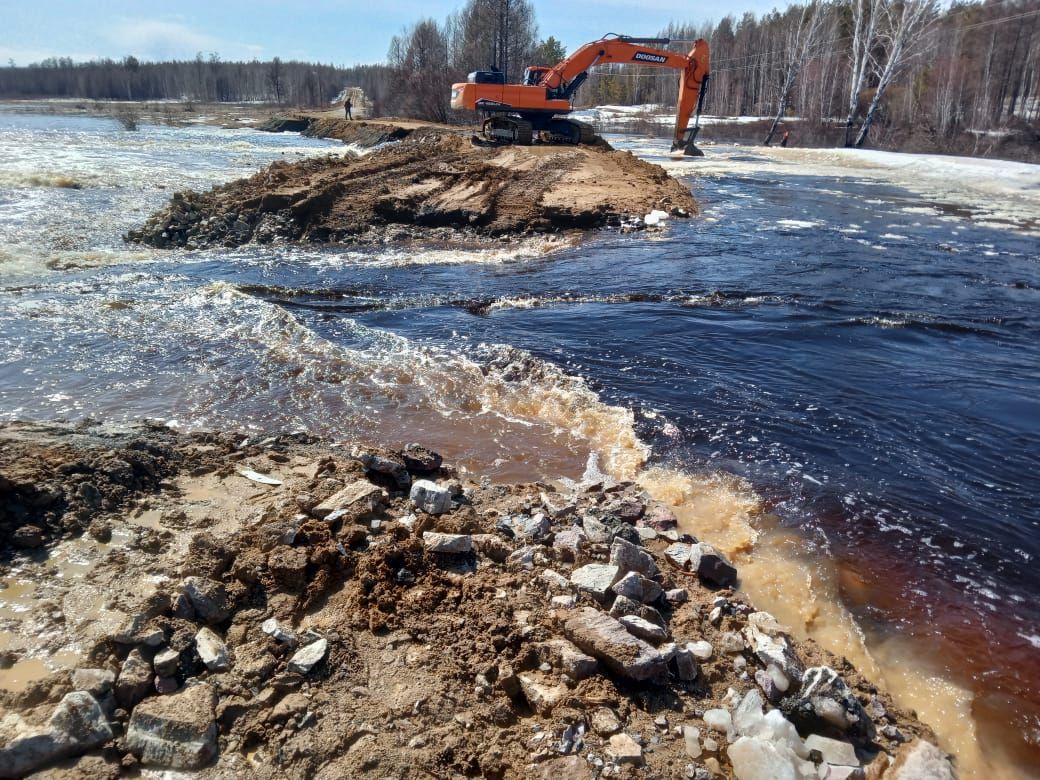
280	606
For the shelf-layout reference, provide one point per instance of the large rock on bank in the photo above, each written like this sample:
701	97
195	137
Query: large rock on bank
77	725
177	731
605	638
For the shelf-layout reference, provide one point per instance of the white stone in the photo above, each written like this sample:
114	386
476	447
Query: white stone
692	737
625	750
719	720
307	657
278	632
834	751
921	761
568	601
701	650
212	650
756	759
454	544
430	497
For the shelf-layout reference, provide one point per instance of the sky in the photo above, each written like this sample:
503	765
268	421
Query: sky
339	33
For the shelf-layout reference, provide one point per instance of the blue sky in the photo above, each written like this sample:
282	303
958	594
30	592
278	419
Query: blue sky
341	33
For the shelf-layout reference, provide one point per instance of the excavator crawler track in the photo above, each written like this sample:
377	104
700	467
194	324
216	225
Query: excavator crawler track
509	130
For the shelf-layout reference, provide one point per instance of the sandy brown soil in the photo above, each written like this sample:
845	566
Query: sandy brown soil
434	182
433	664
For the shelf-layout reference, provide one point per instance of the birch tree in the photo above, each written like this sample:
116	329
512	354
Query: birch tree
864	37
904	24
801	42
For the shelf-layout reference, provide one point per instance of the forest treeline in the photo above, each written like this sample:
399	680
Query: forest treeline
896	73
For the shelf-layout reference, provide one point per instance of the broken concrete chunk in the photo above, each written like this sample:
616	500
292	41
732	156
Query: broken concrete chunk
76	726
606	639
134	681
644	629
96	682
359	497
278	632
208	598
430	497
625	750
176	731
638	588
541	693
308	656
563	655
596	579
453	544
212	651
630	557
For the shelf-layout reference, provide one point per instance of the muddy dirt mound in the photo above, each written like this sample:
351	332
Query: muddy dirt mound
369	614
431	184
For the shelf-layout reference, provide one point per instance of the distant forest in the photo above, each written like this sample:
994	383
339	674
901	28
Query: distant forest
899	73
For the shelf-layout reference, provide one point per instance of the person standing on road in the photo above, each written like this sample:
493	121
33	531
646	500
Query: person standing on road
347	106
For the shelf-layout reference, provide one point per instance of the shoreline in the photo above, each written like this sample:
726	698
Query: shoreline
323	552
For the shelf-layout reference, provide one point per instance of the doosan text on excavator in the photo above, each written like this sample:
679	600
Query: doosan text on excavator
537	108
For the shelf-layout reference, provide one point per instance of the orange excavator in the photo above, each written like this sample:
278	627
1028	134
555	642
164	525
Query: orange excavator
537	108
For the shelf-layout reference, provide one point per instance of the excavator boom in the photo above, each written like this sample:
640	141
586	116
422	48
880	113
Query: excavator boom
517	112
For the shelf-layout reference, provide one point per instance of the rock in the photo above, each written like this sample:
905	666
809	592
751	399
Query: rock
702	650
571	542
278	632
360	497
833	751
921	761
677	596
571	661
134	681
630	557
492	546
703	559
569	601
27	537
625	606
596	579
308	656
76	726
625	750
660	518
825	704
720	720
609	641
166	685
208	599
526	528
212	650
774	649
685	665
176	731
430	497
96	682
452	544
166	662
757	759
604	721
540	693
596	531
562	768
387	463
555	582
420	460
692	739
637	587
731	643
678	555
644	629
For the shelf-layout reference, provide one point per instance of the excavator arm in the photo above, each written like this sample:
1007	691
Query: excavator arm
563	80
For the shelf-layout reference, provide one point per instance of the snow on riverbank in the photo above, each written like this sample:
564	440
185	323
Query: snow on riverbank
998	193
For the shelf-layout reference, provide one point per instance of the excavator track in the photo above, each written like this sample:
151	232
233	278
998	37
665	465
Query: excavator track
509	130
570	131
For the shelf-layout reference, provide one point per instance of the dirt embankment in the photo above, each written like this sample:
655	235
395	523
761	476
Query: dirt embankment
369	613
431	182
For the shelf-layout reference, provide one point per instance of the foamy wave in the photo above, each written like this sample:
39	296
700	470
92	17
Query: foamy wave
27	179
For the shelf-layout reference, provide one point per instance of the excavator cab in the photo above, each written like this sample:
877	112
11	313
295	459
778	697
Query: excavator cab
534	74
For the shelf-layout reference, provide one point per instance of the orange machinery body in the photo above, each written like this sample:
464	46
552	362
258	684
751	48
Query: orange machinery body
548	91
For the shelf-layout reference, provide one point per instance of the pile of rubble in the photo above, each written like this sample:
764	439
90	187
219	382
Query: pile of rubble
383	618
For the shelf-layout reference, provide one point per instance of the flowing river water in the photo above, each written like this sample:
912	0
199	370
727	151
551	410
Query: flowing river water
833	379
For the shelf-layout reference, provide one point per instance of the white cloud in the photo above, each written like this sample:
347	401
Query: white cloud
26	56
155	39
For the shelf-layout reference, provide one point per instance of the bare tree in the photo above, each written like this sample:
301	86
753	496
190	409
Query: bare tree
864	38
801	42
903	26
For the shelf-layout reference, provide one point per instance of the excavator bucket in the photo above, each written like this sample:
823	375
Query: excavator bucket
687	145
